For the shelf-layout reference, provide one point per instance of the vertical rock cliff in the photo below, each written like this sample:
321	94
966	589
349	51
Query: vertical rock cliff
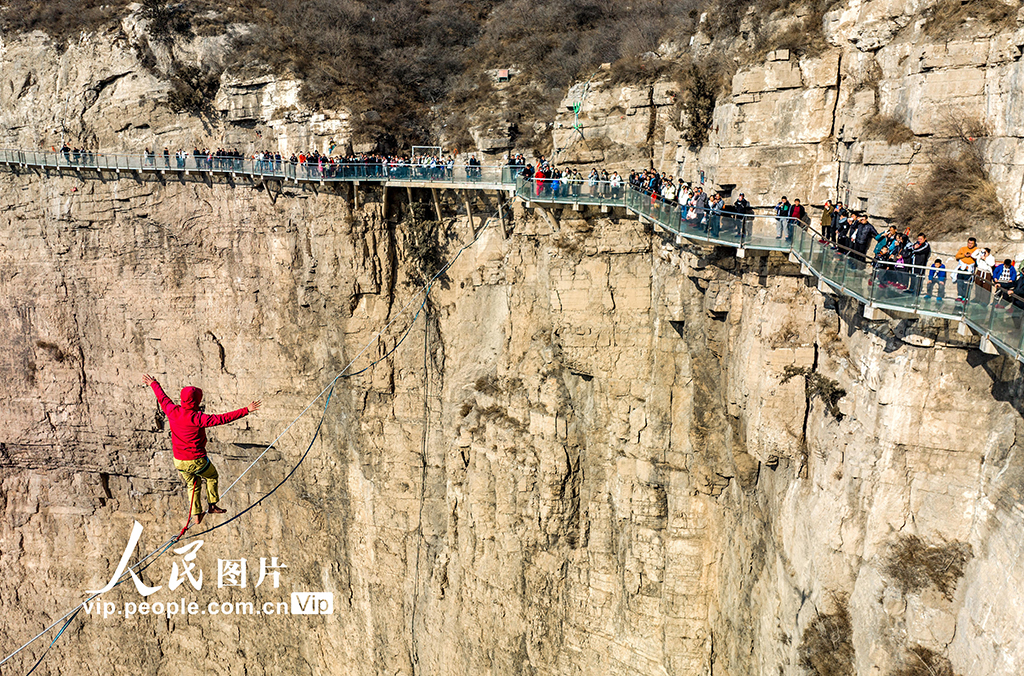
596	451
593	450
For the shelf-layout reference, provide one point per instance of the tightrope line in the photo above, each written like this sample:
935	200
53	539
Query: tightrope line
69	616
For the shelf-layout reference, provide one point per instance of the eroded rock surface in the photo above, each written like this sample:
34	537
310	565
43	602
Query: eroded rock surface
582	459
596	451
796	124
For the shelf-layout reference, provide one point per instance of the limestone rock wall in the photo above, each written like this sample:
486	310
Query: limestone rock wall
596	451
796	125
583	459
114	92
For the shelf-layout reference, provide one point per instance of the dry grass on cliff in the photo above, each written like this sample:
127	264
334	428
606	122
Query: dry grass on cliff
957	195
826	648
803	36
65	19
60	19
952	16
888	128
422	65
408	59
914	565
920	661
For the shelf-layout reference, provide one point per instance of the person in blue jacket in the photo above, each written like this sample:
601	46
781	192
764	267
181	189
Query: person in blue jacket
936	280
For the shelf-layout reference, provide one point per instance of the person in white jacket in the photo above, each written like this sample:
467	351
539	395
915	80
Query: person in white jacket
986	263
616	184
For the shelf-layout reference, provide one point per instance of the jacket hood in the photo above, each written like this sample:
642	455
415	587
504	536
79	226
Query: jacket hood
191	397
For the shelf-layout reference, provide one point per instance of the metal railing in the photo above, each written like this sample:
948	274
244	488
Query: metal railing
944	293
884	285
319	170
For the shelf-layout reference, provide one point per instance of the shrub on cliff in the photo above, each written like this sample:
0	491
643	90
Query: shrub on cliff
193	90
817	386
424	250
957	194
826	648
915	565
888	128
167	21
920	661
700	84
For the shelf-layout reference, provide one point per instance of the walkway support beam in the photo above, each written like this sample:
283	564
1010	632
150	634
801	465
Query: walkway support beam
469	210
437	203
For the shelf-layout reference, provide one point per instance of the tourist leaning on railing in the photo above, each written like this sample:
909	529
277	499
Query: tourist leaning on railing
920	252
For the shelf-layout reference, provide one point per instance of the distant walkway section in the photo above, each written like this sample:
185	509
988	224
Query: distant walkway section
318	170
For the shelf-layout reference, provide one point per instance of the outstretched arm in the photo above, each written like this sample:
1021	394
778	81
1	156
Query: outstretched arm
224	418
165	402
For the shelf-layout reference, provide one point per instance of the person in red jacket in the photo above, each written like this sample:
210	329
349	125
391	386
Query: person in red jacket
188	442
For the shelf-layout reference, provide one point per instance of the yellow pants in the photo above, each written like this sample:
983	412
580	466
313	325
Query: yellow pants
191	472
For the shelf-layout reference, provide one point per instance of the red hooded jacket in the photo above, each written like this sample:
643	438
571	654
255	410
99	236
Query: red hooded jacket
188	436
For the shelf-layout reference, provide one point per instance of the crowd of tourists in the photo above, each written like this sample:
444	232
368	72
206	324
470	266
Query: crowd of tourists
317	165
904	263
899	262
308	165
696	207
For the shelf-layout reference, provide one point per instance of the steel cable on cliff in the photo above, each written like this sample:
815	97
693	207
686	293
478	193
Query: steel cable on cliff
162	549
138	567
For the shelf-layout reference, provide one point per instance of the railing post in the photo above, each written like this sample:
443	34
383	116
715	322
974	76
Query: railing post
1020	343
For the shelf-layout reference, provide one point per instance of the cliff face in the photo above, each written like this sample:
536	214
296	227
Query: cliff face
596	451
801	122
584	458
